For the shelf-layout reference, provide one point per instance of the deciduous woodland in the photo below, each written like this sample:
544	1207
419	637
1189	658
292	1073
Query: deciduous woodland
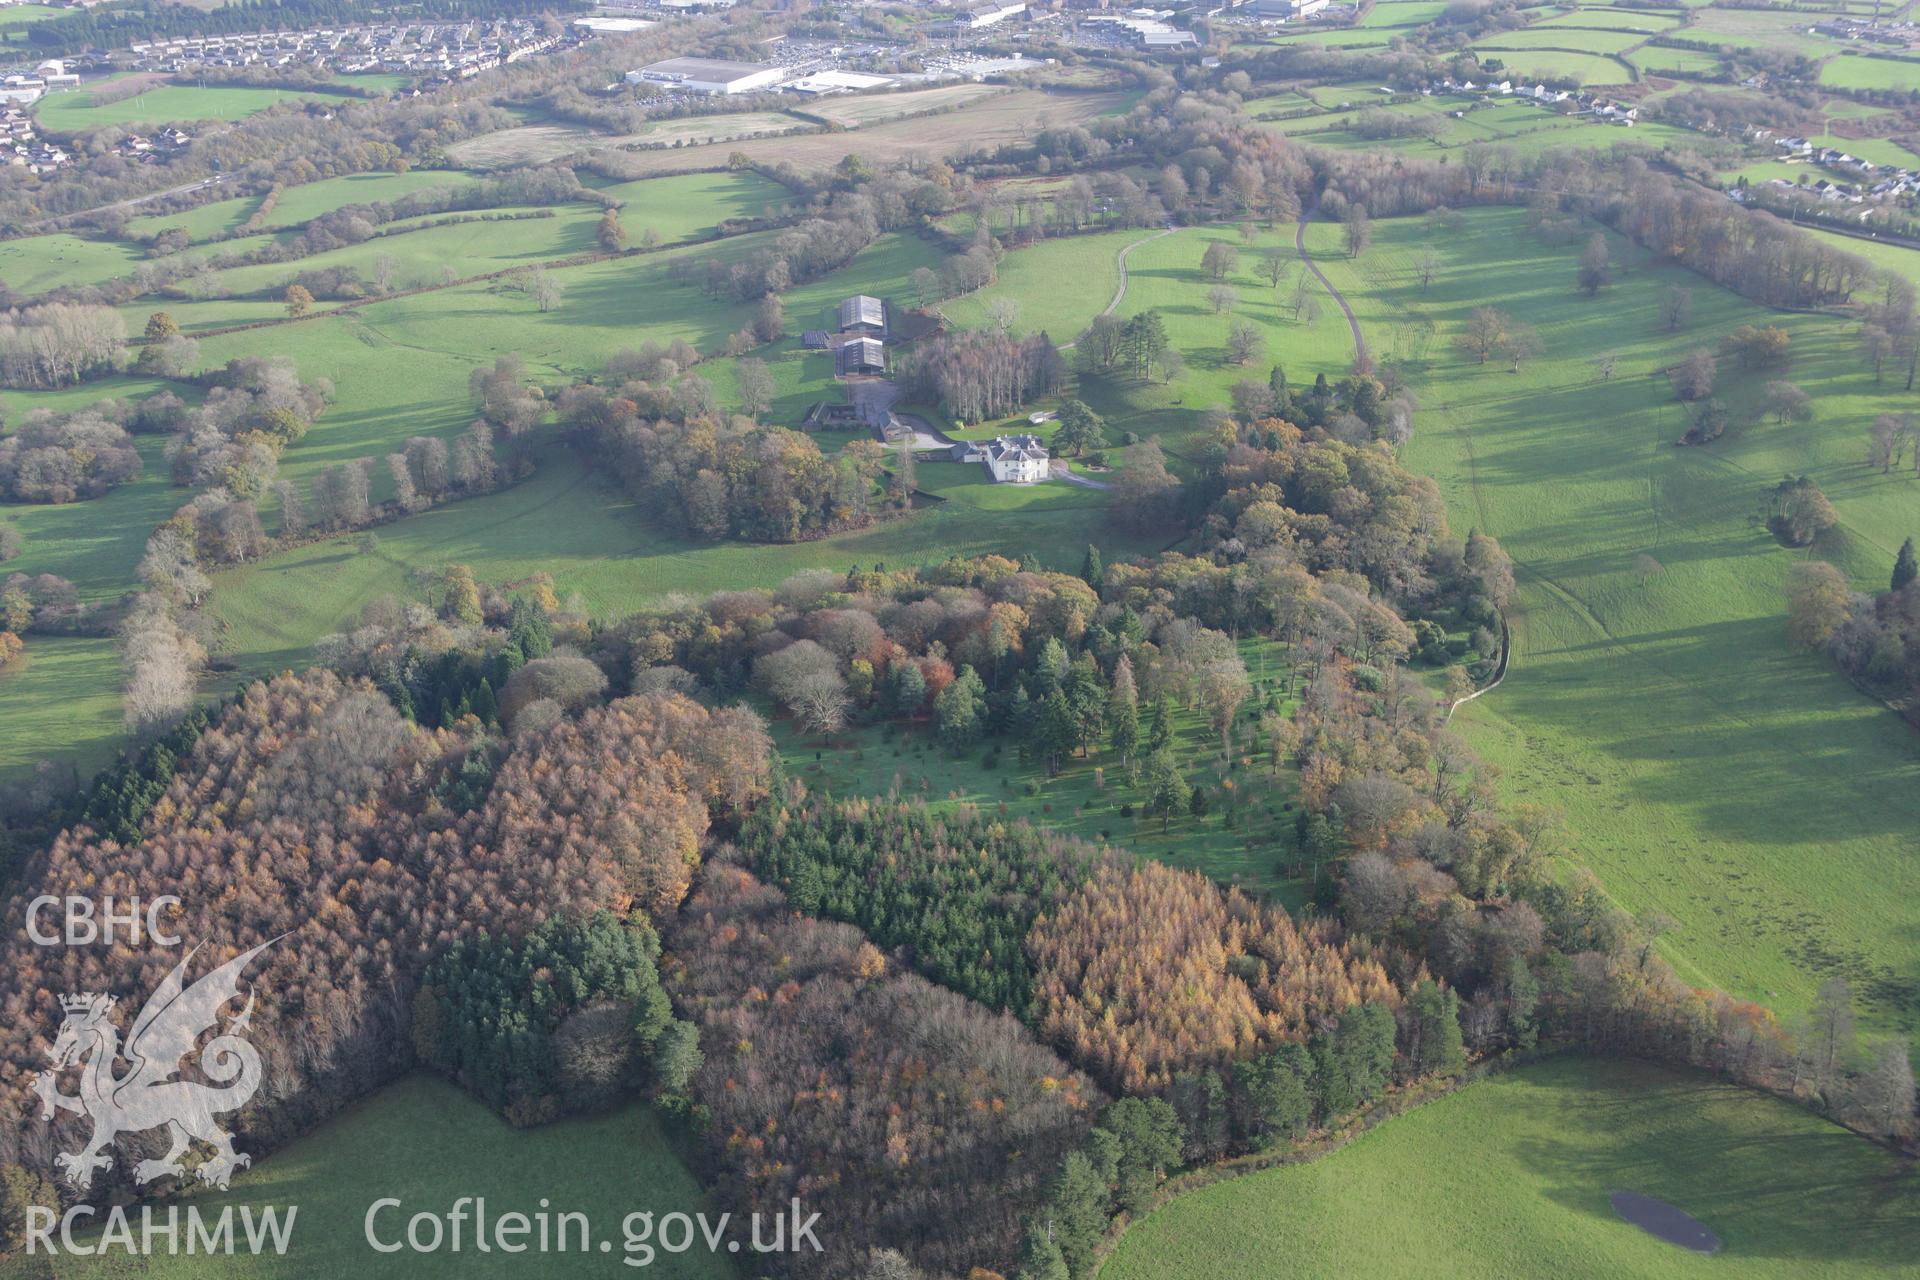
529	627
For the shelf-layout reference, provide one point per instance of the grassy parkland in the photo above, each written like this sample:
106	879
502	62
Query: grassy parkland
1532	1160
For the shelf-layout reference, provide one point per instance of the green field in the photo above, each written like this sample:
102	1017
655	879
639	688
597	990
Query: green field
1512	1177
1404	13
427	1144
1589	68
1850	71
1578	40
1652	60
1667	717
1603	19
36	264
69	111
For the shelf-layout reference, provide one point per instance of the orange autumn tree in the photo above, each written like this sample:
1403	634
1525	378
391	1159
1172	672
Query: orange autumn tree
1147	971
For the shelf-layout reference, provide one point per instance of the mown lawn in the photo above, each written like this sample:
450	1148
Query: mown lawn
1512	1177
427	1144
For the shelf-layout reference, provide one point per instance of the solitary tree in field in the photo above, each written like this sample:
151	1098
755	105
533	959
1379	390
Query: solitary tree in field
1003	312
1888	440
1676	307
1596	266
1646	568
1245	343
299	301
160	327
1427	266
1604	365
1484	329
546	291
1220	260
1273	266
1693	377
1905	567
1876	348
1787	402
1080	429
1759	346
1519	344
755	382
612	236
1358	230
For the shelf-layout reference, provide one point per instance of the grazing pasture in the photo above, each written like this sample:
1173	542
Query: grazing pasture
71	111
35	264
1633	690
1851	71
1589	69
1512	1176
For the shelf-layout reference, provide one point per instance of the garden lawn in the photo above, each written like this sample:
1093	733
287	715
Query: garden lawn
427	1144
1512	1177
1663	712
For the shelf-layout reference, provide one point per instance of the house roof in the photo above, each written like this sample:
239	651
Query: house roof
1021	448
861	309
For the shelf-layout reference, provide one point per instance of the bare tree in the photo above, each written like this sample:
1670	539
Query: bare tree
755	383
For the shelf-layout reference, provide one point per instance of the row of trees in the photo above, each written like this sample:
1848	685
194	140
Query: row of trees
977	375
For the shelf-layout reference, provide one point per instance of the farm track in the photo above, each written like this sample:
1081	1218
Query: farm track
1300	245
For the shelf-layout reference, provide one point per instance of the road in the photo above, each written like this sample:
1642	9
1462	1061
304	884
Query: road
135	201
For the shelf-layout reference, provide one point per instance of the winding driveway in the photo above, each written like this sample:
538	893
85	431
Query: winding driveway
1120	293
1300	244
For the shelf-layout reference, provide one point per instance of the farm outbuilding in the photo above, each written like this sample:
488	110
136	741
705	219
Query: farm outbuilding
860	355
862	314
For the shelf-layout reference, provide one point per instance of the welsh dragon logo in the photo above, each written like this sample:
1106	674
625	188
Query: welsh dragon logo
147	1096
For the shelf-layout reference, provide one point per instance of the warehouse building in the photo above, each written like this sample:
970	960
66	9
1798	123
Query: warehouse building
709	75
